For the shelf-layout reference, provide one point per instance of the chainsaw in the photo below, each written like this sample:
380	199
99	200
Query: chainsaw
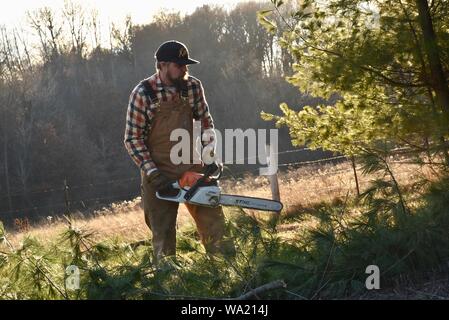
202	189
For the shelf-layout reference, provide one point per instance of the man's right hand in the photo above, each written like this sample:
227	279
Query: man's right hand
158	180
212	168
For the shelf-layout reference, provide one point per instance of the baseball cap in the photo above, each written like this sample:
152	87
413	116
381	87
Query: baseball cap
174	51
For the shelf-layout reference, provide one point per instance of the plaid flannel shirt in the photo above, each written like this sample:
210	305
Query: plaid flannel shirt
141	110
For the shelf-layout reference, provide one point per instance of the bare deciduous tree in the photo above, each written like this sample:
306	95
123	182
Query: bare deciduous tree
75	17
43	22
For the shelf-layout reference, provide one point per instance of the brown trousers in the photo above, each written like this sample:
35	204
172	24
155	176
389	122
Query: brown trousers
160	215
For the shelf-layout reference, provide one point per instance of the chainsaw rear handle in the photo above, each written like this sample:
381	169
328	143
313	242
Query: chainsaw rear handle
173	187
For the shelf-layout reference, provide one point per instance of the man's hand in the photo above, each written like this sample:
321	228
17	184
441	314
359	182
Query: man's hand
158	180
212	168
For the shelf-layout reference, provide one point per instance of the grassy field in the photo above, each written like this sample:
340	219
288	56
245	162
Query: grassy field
319	246
299	188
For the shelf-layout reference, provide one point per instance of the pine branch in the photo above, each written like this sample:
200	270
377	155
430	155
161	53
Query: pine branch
266	287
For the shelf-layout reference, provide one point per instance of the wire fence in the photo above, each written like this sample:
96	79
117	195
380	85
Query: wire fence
65	206
109	182
64	188
72	203
124	180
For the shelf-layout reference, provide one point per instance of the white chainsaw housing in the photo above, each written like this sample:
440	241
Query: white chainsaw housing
206	192
205	196
211	196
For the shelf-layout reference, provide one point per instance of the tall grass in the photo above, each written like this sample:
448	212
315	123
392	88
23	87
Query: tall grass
320	246
325	259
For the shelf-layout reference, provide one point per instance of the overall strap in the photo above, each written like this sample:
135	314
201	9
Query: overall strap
184	90
148	90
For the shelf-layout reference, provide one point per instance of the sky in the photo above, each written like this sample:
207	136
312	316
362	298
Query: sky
12	13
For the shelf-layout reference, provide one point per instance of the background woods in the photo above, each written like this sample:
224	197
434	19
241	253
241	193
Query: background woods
64	89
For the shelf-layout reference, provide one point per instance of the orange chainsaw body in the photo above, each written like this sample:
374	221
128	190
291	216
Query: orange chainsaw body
189	178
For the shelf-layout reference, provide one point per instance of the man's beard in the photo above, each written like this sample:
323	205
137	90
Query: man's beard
180	82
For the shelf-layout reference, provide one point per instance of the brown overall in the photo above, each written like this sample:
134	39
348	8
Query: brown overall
160	215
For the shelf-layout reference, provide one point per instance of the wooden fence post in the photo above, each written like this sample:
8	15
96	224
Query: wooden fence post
66	197
273	178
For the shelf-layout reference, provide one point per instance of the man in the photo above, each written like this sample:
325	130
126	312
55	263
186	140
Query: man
170	99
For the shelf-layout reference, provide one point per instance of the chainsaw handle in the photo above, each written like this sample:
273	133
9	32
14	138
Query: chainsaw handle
213	168
162	194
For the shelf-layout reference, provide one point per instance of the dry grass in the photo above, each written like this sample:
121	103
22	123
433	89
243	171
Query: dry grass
300	188
124	220
306	186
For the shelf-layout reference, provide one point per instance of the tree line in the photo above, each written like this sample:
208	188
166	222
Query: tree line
64	89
